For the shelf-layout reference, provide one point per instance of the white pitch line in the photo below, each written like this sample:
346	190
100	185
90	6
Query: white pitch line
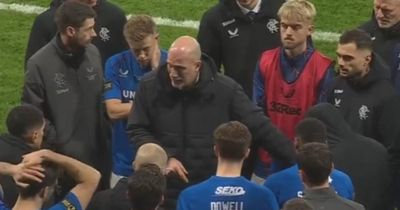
30	9
24	8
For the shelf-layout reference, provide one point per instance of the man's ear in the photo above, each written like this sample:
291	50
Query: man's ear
198	65
156	36
368	59
162	199
311	29
127	194
303	176
247	153
297	142
30	138
216	151
70	31
43	192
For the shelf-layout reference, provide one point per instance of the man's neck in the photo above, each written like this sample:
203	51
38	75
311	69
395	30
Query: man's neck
31	204
228	168
291	53
324	185
249	7
64	41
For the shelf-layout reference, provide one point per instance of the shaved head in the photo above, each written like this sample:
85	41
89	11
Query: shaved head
184	62
187	45
150	153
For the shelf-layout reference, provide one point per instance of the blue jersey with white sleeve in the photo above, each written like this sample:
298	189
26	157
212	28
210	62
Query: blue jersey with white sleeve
218	193
122	75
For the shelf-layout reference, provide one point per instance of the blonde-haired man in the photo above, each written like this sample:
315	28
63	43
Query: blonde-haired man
123	72
290	79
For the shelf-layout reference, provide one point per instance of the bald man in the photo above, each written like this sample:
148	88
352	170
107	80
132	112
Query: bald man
116	198
180	105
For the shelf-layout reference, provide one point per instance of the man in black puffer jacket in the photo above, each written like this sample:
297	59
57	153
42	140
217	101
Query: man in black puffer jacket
110	22
180	105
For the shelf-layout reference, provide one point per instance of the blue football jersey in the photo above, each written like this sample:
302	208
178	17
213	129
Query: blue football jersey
233	193
122	77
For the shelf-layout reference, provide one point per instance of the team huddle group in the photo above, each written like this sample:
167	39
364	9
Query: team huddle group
247	116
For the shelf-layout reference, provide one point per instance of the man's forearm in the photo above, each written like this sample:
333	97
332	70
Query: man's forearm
6	169
119	110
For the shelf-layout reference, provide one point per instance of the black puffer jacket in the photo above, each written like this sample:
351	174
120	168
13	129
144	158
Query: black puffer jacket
183	122
362	158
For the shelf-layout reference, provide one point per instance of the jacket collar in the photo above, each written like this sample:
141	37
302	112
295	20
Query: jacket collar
319	193
15	141
73	59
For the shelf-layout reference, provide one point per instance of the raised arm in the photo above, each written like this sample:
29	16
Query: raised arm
85	176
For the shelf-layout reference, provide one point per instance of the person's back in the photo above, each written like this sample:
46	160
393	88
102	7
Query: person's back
357	155
227	189
287	184
327	199
315	165
222	192
235	41
297	204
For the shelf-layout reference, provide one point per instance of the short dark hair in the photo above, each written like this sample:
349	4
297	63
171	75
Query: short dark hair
297	204
50	176
72	13
315	160
146	187
360	38
311	130
22	119
232	140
